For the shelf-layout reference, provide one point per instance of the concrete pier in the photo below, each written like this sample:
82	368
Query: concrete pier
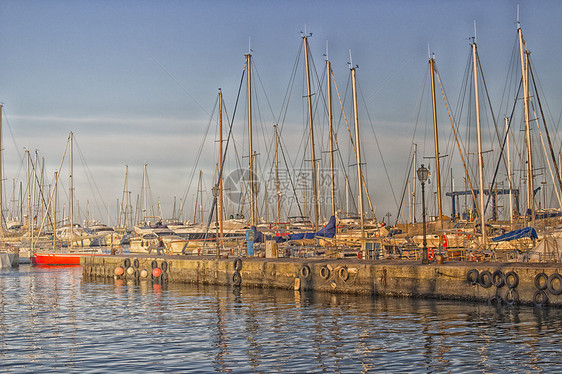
510	283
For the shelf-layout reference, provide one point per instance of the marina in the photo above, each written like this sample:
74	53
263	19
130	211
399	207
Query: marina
176	197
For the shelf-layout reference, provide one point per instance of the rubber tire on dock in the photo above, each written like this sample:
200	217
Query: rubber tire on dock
514	282
238	264
305	272
164	266
541	281
485	279
136	263
511	297
498	278
324	272
343	273
236	279
154	264
555	291
472	277
127	263
540	298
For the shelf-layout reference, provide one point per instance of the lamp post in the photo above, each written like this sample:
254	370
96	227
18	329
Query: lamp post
423	174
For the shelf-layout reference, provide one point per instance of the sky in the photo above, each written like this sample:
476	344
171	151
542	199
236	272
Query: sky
137	83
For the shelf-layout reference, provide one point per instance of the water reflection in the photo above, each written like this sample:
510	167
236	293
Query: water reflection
54	320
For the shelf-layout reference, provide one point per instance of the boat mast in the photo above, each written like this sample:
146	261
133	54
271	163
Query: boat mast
414	182
71	192
277	184
358	157
479	135
55	211
312	151
253	205
331	132
525	81
221	186
145	208
509	172
1	206
436	137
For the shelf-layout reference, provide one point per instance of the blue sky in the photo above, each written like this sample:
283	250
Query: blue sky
136	81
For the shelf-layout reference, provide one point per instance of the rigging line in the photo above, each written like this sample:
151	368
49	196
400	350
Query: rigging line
490	106
548	138
286	99
378	148
91	179
12	134
52	194
178	83
420	101
213	204
291	179
411	161
501	150
200	150
405	62
451	119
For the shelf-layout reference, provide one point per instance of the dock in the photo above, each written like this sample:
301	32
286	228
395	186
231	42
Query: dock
510	283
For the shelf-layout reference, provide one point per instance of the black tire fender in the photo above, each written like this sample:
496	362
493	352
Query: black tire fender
238	264
236	279
305	272
540	298
472	277
343	273
485	279
324	272
541	281
511	297
511	279
553	277
498	278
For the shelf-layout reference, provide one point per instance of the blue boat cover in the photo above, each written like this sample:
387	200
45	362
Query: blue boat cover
517	234
327	231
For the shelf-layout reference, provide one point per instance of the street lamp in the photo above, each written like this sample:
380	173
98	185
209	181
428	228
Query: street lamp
423	174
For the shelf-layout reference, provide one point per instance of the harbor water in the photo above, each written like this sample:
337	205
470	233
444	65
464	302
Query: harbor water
53	319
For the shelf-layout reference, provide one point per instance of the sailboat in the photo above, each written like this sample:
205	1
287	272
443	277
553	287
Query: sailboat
9	255
71	254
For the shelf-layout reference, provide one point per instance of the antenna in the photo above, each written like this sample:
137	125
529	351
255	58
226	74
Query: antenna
327	50
474	31
518	24
350	60
428	51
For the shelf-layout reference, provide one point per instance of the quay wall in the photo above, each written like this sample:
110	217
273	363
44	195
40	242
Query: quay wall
450	280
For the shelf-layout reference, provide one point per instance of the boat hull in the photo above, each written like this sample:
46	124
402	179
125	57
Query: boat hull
58	258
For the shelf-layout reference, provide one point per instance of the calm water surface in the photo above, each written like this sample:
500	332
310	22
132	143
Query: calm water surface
54	320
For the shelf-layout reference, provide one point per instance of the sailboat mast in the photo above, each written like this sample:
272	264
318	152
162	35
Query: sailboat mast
414	183
55	210
1	206
145	207
436	137
71	192
525	81
479	135
509	172
312	150
331	135
253	205
221	186
277	184
358	154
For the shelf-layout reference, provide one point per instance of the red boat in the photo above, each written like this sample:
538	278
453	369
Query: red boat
47	258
